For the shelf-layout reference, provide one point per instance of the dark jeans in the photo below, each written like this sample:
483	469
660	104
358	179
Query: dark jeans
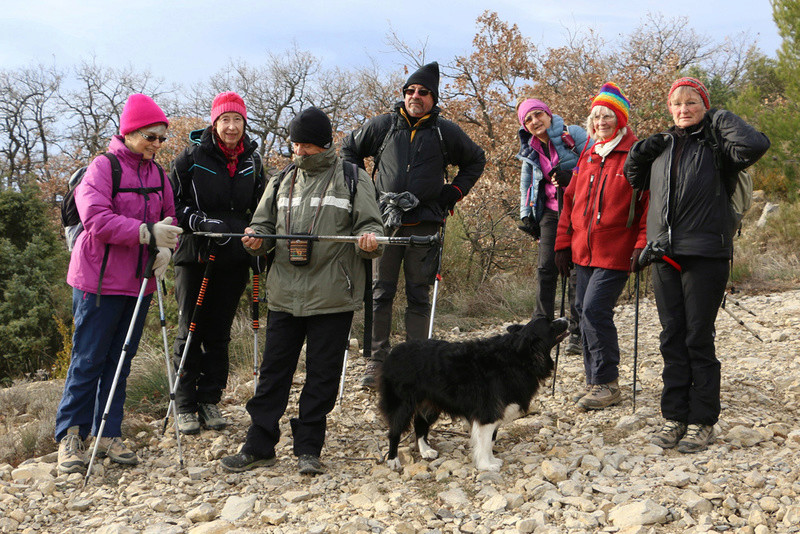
387	273
688	302
597	291
548	275
205	371
326	338
97	345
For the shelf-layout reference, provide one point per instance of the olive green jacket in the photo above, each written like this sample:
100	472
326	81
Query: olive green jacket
333	280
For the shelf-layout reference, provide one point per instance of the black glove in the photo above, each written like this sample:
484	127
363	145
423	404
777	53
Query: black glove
653	146
561	176
635	265
563	259
531	227
216	226
448	197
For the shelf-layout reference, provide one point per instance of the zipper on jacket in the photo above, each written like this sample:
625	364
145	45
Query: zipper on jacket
588	201
600	196
588	195
347	278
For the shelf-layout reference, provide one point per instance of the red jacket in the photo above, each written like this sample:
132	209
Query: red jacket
597	203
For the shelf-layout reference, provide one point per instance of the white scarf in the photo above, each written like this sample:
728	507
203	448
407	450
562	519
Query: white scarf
604	149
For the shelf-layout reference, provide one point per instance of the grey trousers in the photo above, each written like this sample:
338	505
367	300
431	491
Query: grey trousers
384	287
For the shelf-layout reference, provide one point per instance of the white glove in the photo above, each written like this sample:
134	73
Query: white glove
161	262
165	233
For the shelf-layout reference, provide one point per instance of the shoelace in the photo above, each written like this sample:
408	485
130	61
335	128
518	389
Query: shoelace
213	411
693	431
73	443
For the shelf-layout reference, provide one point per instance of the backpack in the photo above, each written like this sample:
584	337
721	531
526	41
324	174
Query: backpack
739	187
71	219
376	159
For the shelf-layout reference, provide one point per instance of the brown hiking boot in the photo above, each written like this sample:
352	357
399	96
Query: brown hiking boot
669	435
696	439
117	451
601	396
71	458
581	393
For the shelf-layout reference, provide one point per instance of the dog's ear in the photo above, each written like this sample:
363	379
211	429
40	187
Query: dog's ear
514	328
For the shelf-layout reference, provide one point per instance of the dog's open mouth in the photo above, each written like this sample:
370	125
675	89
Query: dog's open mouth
561	324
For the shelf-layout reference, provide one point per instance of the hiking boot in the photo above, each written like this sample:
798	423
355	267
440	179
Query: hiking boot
601	396
71	457
574	346
696	439
669	435
581	393
308	464
242	461
117	451
211	417
188	423
370	377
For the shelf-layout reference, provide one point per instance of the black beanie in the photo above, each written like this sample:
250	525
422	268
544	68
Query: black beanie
313	126
428	77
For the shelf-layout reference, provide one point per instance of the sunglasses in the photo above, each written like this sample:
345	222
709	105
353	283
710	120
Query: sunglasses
150	138
420	92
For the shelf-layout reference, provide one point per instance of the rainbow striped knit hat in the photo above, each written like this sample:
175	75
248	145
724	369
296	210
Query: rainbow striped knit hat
611	96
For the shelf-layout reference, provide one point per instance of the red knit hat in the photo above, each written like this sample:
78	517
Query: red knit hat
225	102
140	111
695	84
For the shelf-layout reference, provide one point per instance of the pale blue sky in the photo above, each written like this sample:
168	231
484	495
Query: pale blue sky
183	41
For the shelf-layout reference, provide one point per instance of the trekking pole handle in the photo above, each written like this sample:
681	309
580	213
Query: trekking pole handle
153	249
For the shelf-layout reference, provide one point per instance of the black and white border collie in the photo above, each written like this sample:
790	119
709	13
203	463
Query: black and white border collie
484	381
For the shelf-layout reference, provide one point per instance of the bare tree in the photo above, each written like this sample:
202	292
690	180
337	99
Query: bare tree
94	106
28	116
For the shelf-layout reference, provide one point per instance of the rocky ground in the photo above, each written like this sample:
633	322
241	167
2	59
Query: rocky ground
564	470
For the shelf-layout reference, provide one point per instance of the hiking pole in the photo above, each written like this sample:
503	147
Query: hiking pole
162	317
558	346
635	335
735	318
256	293
344	368
148	273
414	240
438	275
737	303
192	326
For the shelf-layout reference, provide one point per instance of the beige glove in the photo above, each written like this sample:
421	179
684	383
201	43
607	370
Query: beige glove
165	233
161	262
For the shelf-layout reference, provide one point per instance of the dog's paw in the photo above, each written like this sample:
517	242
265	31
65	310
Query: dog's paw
426	451
490	465
394	464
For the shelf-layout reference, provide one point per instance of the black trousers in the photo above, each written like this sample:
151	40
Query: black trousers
547	275
326	338
688	302
205	371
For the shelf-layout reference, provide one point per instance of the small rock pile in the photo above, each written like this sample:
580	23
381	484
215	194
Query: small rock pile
564	470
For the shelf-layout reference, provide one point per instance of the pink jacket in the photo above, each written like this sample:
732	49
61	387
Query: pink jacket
111	226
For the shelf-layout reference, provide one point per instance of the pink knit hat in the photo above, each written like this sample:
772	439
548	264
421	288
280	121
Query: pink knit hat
695	84
225	102
140	111
529	105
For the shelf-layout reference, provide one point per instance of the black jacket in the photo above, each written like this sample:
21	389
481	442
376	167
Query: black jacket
413	158
204	188
699	221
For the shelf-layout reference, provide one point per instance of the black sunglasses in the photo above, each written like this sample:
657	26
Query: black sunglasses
150	138
420	92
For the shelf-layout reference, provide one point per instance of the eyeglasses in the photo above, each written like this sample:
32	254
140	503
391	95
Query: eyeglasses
150	138
421	91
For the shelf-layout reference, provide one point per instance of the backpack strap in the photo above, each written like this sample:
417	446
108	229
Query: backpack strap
376	159
568	141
